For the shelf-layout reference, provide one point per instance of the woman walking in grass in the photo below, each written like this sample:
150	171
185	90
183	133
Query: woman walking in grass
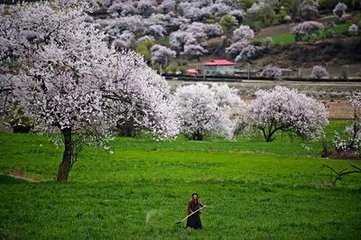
194	205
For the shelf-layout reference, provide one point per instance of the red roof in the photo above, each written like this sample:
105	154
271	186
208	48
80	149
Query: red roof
192	71
218	62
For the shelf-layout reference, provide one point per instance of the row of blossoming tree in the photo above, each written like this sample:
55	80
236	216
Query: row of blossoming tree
194	27
56	68
217	109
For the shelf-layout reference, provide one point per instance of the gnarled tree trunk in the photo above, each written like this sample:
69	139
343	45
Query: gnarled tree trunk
66	164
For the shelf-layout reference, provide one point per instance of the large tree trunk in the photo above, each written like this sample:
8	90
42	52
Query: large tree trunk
268	136
65	165
197	136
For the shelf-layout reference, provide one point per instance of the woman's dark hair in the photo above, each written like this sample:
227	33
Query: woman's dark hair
195	194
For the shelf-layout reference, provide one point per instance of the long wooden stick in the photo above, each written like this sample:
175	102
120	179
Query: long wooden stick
190	215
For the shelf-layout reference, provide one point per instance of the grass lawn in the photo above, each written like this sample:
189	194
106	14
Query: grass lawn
286	38
283	38
253	189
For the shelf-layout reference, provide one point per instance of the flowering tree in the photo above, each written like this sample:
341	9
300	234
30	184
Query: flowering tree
202	31
146	7
114	27
208	110
161	55
263	9
308	9
319	72
191	39
353	30
192	51
353	132
219	9
156	31
256	7
125	40
282	109
213	30
167	6
237	47
231	3
121	8
340	9
243	32
243	49
238	14
174	23
232	105
70	81
272	72
304	29
193	10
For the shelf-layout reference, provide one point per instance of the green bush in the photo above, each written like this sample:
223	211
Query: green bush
144	49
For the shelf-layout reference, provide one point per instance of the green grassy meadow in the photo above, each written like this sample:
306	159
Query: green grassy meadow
253	190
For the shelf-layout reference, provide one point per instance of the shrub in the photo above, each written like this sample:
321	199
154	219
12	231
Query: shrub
353	30
272	72
340	9
305	29
319	72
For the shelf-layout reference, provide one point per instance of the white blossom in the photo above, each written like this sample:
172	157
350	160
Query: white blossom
319	72
283	109
161	54
209	110
272	72
340	9
70	81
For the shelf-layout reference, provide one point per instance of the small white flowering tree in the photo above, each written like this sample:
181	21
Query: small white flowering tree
194	51
190	41
340	9
208	110
283	109
243	32
304	29
319	72
161	55
167	6
308	9
71	82
243	49
272	72
156	31
353	30
353	132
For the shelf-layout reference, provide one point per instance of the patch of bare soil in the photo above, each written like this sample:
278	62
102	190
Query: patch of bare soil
344	156
338	109
275	30
21	174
